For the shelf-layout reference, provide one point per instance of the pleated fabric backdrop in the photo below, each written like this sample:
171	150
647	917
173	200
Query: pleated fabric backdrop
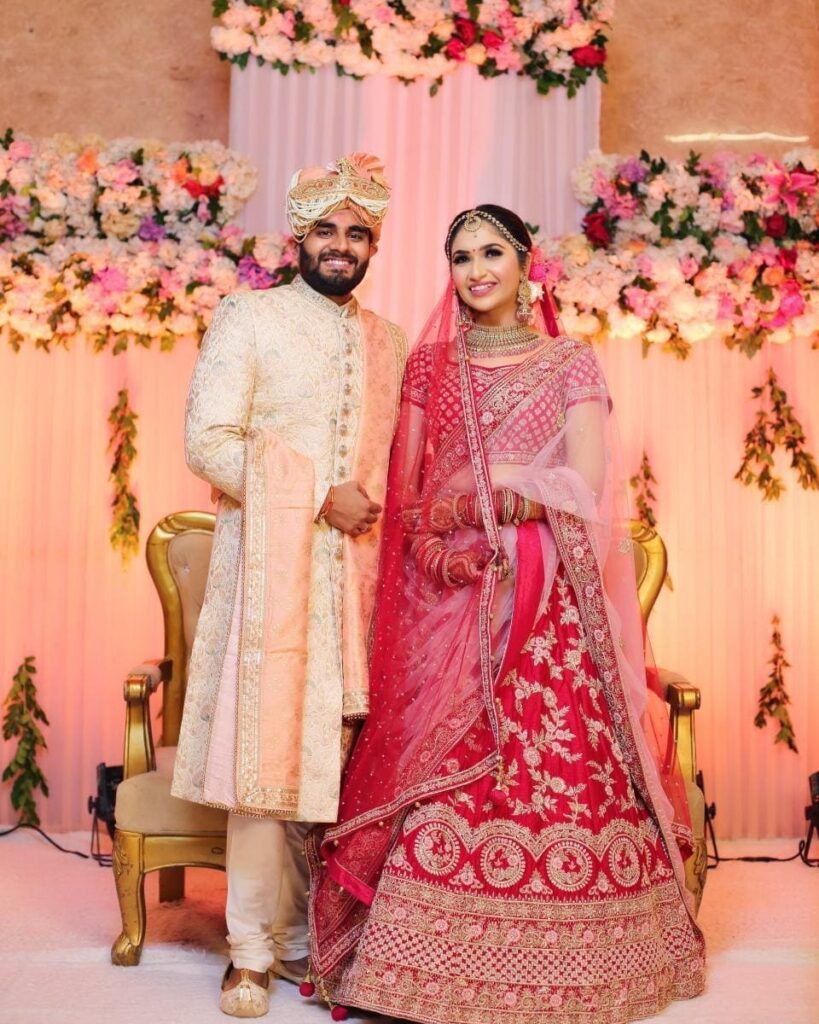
478	140
734	560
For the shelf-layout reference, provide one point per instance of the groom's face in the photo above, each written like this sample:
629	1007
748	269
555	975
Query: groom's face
334	256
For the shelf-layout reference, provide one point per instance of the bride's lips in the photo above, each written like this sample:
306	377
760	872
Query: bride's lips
479	290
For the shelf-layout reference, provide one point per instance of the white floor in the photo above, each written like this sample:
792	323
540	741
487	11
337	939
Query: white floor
58	917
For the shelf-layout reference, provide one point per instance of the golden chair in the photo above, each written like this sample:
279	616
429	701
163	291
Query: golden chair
683	698
154	830
157	832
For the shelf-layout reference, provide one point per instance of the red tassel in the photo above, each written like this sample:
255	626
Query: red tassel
498	797
307	989
339	1013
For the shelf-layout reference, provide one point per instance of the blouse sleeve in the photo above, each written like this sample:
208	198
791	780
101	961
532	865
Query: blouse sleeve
585	381
417	376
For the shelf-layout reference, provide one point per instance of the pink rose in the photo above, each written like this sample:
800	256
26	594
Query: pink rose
491	40
20	150
589	56
726	309
455	49
787	258
792	302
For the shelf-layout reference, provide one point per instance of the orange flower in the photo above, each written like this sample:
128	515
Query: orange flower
773	275
87	161
180	170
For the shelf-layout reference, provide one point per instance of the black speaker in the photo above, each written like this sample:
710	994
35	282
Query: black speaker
102	805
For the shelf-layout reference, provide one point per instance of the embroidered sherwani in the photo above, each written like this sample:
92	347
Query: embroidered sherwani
291	393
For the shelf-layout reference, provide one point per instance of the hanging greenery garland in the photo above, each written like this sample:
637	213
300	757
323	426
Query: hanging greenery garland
124	532
644	496
641	483
776	427
22	713
773	697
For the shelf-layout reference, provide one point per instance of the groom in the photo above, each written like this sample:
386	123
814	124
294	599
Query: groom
290	416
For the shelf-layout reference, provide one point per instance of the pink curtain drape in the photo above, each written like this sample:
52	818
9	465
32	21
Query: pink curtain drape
735	560
65	596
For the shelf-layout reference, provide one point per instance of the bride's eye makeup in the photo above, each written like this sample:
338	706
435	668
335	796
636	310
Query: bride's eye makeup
492	251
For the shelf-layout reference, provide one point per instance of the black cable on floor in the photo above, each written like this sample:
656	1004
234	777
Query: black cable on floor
47	837
96	854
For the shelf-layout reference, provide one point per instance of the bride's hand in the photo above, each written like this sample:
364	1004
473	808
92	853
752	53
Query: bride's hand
465	567
437	517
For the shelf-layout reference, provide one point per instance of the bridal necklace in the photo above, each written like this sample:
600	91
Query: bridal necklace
501	341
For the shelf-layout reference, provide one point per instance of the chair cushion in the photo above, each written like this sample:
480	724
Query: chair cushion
188	559
145	804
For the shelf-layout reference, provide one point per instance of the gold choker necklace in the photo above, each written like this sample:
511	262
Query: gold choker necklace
501	341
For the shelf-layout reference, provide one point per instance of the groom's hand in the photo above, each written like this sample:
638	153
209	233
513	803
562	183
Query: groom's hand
352	510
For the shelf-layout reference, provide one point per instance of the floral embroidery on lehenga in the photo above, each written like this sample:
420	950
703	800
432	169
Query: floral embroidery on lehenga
559	906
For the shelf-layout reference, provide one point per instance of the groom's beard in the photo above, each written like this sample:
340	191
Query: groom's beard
335	280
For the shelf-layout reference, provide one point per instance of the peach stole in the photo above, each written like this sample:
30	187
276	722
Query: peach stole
254	756
381	386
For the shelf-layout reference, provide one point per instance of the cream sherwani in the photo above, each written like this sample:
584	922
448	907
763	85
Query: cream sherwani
291	393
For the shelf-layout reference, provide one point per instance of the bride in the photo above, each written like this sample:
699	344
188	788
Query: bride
512	831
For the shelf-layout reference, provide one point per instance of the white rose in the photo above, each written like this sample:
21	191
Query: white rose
658	335
230	41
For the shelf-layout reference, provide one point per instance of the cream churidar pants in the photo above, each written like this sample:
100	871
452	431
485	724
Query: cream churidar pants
267	890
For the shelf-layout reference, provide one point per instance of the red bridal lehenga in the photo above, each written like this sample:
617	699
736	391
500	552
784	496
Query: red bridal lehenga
512	819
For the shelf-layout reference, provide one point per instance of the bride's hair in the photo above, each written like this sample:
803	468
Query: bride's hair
505	221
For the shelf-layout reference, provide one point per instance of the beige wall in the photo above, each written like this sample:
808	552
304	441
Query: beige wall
118	67
112	68
697	66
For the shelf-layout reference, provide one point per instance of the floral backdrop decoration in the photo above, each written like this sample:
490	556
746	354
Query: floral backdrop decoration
558	43
123	241
674	253
677	252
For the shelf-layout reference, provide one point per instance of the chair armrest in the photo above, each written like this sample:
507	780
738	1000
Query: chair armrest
679	693
140	683
683	699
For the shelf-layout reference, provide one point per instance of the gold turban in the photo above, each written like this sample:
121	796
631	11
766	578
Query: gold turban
355	182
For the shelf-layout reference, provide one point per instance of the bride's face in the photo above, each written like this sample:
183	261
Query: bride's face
486	271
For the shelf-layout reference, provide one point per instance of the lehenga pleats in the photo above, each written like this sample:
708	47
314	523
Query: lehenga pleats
544	895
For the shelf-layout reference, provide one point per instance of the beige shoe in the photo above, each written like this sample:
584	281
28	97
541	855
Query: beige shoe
247	999
292	970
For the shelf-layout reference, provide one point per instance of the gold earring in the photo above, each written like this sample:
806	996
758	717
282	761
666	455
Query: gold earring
524	311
